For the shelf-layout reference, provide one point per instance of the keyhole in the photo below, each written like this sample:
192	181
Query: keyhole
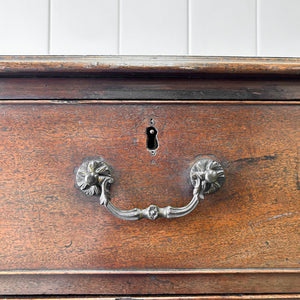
152	142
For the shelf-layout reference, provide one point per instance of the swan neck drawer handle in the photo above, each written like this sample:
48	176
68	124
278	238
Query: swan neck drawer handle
94	177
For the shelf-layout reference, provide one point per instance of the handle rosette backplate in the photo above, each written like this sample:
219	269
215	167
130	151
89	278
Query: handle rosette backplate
94	177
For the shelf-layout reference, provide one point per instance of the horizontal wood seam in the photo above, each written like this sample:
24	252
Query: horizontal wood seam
176	297
150	272
223	102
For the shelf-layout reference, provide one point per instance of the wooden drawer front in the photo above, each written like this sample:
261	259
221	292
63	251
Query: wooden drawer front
251	222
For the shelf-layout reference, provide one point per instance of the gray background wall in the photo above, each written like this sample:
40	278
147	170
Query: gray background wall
150	27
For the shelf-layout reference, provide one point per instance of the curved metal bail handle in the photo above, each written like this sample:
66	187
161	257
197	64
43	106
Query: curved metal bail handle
94	178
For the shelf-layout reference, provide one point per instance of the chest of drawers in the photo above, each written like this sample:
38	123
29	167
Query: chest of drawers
207	149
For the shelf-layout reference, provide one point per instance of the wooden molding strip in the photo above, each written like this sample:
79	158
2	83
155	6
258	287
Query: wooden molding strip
222	102
130	65
153	272
149	282
203	297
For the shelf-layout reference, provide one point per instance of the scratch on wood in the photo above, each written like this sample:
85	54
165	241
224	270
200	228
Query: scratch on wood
282	215
69	245
154	278
256	159
272	218
252	227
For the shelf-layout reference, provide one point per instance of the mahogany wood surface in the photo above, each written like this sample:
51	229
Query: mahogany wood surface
243	239
149	78
146	285
240	243
143	88
147	65
206	297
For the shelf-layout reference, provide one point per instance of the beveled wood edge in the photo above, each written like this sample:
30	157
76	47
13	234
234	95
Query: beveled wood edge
130	65
142	284
223	102
153	272
198	297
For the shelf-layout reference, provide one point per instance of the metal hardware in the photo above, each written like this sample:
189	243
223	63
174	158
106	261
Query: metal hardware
95	176
152	141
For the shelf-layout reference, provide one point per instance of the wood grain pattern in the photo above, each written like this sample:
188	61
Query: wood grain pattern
46	223
150	65
142	89
206	297
146	285
149	78
155	102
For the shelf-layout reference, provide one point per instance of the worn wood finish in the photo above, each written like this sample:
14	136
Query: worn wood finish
206	297
147	65
242	240
148	284
149	78
225	297
142	88
252	222
100	101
